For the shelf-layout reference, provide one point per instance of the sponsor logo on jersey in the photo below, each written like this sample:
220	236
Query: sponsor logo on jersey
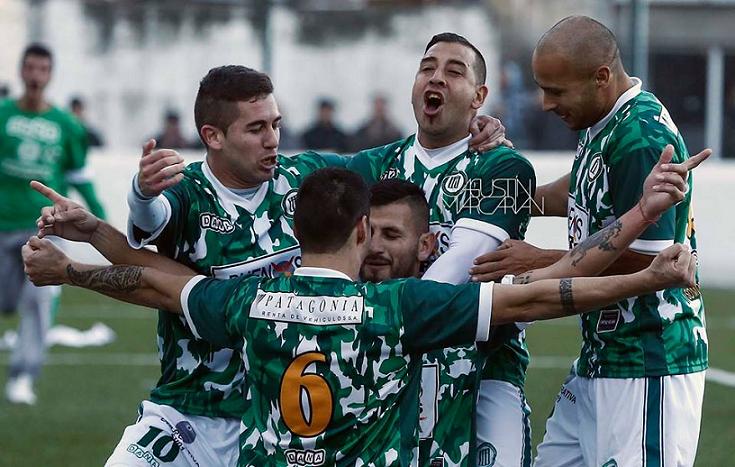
315	310
486	455
454	183
215	223
390	173
596	167
437	462
566	394
185	432
610	463
608	321
141	453
282	262
289	203
305	457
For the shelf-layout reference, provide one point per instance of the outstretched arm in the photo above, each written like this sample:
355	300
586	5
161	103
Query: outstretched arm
69	220
45	264
554	298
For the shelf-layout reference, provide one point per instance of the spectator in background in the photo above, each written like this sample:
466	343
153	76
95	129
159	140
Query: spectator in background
77	107
378	130
171	136
324	133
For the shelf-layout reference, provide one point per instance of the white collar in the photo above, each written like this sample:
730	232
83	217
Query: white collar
441	155
250	204
624	97
321	272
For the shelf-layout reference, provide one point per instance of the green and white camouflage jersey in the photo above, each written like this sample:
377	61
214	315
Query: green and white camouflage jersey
491	192
220	234
48	146
333	366
651	335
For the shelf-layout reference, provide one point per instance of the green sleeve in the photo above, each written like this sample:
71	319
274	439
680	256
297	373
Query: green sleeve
336	160
87	192
438	315
500	196
76	145
215	308
629	165
364	164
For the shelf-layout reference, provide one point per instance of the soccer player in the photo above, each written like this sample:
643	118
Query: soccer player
333	367
635	394
38	141
401	242
227	216
476	201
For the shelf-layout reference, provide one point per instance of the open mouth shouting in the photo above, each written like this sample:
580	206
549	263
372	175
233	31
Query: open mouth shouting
433	103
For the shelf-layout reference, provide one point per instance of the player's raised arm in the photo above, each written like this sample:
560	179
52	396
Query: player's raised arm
664	186
554	298
45	264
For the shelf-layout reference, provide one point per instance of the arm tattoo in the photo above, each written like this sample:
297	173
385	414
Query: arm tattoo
524	278
567	300
107	279
602	240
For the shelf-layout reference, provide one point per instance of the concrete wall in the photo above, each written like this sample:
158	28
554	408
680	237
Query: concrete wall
714	193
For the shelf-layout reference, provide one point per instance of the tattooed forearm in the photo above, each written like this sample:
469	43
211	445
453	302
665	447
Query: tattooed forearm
565	293
602	240
107	279
524	278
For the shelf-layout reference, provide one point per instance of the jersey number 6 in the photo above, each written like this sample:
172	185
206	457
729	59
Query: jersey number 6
318	397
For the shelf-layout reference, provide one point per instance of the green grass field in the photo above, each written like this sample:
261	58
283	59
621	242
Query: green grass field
87	396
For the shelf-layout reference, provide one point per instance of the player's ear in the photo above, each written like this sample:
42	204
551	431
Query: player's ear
603	76
427	243
363	231
212	136
480	96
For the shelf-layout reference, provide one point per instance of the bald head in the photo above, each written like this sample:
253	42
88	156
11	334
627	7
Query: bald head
584	43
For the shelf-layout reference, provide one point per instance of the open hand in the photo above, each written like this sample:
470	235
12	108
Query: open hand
158	169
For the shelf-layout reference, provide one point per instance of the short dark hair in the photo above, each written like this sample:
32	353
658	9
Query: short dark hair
220	91
76	101
480	68
39	50
328	205
394	190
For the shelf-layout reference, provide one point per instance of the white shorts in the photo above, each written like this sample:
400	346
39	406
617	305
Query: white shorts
503	426
163	436
606	422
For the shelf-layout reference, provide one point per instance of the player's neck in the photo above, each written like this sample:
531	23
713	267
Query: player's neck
339	261
621	85
429	141
33	103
